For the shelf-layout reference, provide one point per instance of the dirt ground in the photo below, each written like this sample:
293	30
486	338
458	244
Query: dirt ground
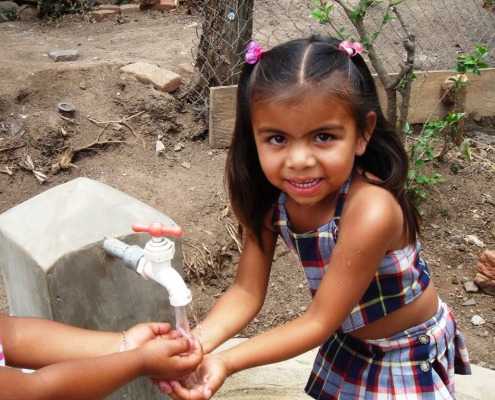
185	181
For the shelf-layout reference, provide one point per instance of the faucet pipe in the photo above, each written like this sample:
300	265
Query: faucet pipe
130	255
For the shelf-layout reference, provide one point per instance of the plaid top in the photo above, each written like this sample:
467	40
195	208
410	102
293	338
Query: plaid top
401	277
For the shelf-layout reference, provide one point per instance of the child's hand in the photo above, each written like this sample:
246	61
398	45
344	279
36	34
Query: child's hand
141	333
169	359
203	383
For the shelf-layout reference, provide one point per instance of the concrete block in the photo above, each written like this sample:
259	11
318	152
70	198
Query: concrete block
161	79
54	266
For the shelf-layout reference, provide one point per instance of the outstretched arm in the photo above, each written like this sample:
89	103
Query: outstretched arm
81	371
238	306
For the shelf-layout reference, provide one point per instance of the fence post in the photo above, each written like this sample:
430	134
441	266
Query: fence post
227	28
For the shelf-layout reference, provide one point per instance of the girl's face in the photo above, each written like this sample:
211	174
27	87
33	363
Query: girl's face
307	148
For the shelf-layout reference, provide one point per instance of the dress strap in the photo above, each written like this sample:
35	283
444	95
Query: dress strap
341	201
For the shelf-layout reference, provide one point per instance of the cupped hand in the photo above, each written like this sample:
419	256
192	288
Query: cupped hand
203	383
141	333
170	359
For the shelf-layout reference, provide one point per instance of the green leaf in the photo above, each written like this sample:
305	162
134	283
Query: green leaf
466	150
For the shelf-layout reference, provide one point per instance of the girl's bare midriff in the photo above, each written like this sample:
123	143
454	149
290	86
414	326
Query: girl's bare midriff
415	313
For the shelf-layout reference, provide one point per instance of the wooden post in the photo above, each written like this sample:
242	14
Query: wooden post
227	29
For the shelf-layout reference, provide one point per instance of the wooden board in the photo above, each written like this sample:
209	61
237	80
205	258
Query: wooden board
425	104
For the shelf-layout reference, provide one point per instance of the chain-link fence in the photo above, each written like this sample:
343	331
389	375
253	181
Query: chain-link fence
443	29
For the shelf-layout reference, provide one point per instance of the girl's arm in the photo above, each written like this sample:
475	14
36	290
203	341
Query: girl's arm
101	369
238	306
96	378
36	342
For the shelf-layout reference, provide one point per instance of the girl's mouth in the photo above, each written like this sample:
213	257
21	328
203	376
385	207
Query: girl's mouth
305	184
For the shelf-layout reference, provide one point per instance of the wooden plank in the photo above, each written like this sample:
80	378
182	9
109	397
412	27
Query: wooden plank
222	115
425	104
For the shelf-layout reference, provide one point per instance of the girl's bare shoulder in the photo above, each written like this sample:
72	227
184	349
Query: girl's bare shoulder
375	209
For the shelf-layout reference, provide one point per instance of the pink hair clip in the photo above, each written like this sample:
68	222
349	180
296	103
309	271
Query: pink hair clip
351	48
253	53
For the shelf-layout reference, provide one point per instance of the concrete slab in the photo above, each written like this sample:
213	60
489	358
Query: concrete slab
286	380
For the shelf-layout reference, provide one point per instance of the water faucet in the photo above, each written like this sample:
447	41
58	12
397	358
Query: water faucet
154	261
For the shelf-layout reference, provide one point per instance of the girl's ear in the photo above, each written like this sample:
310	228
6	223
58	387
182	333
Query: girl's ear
365	137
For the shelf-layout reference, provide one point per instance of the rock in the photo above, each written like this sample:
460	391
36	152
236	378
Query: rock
485	276
104	15
470	287
469	302
28	14
161	79
162	5
477	320
486	264
64	55
486	284
8	6
471	239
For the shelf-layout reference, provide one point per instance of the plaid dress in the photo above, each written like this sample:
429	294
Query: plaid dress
418	363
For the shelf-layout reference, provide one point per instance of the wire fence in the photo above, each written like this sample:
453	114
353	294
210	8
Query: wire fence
443	29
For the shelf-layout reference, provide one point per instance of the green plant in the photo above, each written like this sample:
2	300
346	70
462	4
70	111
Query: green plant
11	15
422	151
472	62
389	10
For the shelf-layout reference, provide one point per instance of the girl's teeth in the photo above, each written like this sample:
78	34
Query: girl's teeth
306	184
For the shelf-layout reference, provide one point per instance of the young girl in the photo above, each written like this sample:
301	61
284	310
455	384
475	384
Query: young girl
313	160
74	363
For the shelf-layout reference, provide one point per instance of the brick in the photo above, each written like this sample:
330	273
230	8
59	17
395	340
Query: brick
129	8
161	79
164	5
104	15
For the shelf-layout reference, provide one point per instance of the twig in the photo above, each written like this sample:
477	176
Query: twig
123	121
13	147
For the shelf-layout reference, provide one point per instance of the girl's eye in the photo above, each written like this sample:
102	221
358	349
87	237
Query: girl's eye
323	137
277	139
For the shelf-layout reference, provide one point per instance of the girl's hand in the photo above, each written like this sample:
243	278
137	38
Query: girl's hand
141	333
203	383
169	359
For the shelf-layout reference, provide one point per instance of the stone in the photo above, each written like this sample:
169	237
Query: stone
486	264
469	302
486	284
164	5
64	55
6	6
104	15
161	79
129	8
470	287
477	320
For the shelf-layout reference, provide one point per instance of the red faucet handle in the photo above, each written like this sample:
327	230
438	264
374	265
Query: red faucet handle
157	229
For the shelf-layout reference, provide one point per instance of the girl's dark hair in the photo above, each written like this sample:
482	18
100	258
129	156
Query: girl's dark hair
285	73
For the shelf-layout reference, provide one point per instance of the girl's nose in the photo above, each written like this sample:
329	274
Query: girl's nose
300	157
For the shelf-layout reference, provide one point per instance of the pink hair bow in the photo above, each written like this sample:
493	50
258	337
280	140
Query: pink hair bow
253	53
351	48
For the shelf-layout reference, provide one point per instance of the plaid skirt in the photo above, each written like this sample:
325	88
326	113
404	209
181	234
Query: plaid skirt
418	363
